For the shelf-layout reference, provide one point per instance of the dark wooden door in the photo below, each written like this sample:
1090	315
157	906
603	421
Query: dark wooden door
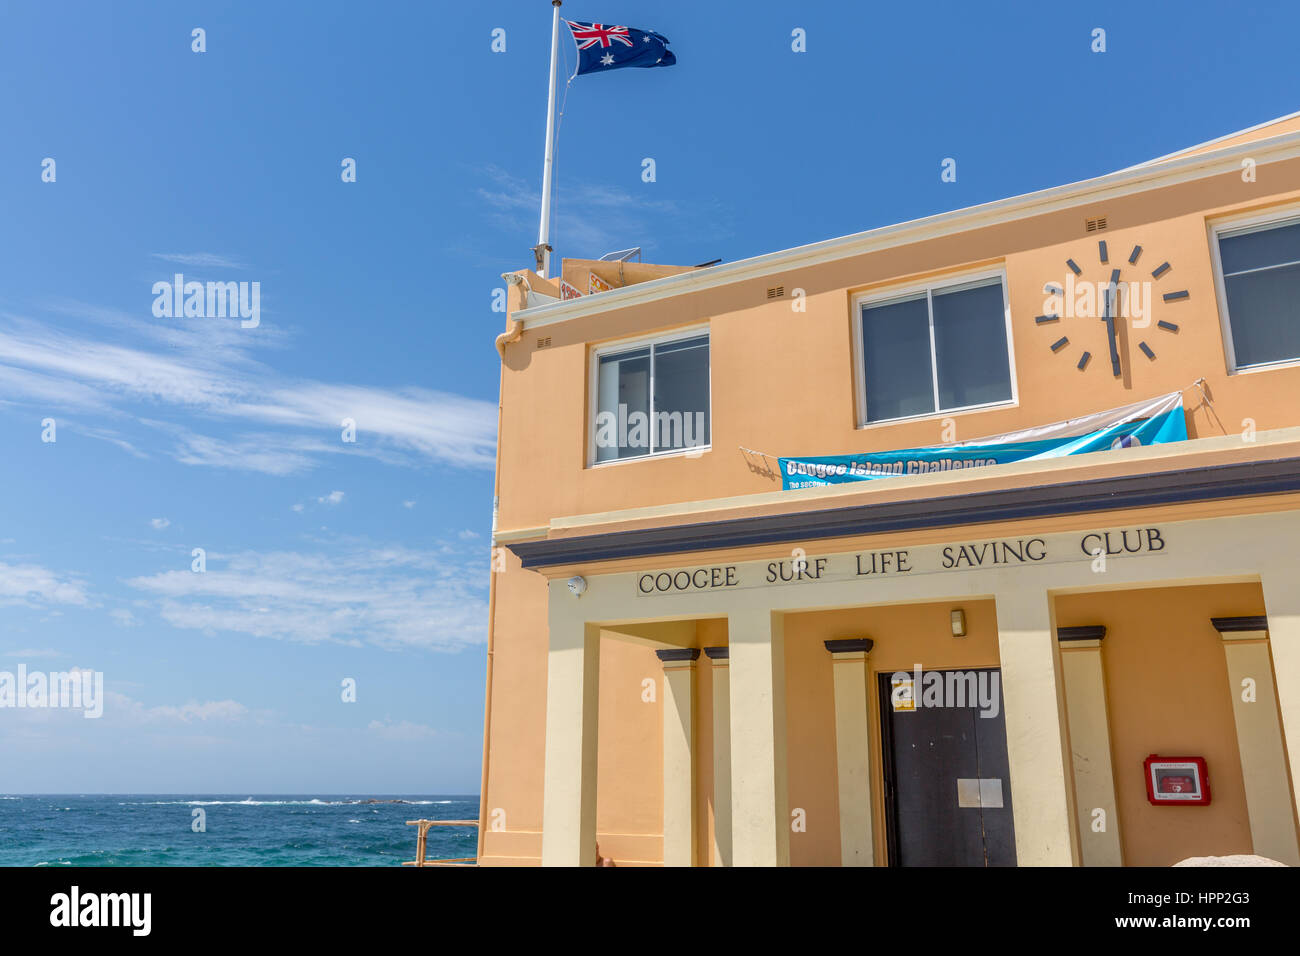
945	770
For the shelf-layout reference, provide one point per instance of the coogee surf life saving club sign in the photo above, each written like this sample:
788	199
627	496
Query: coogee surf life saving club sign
894	563
1153	422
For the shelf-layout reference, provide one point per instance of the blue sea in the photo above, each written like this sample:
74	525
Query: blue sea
241	830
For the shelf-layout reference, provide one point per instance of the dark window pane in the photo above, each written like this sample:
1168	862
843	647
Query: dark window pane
623	405
896	359
1266	247
970	346
1264	312
681	400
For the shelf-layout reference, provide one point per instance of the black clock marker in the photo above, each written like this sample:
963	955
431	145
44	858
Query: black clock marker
1043	319
1101	250
1175	296
1146	350
1167	326
1060	343
1073	267
1083	361
1160	270
1137	251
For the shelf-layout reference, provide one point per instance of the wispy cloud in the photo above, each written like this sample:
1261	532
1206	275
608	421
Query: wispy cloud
119	705
401	730
159	523
582	216
348	592
31	585
203	259
289	424
333	498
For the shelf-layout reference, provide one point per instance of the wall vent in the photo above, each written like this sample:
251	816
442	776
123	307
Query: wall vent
544	343
1095	225
776	292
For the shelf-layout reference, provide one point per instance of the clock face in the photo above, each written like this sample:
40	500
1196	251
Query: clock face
1104	311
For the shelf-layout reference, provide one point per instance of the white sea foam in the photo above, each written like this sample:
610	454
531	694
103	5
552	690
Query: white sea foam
250	802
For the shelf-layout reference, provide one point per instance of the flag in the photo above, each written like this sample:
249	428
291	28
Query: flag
602	47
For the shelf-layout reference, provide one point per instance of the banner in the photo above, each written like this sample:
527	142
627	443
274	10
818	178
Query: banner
1154	422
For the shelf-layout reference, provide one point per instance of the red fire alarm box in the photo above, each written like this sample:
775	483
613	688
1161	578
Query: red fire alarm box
1177	781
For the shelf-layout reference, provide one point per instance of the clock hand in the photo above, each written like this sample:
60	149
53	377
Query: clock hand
1110	324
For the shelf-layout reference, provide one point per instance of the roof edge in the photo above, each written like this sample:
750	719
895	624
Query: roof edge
1111	185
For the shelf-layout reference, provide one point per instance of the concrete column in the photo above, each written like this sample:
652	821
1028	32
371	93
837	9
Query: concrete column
569	796
679	755
1089	727
852	749
760	819
1037	740
721	754
1282	605
1259	737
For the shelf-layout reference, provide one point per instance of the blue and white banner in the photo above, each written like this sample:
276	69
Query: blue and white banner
1153	422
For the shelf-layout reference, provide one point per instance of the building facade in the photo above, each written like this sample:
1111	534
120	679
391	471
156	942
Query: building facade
1085	660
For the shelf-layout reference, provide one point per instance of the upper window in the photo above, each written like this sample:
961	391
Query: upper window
939	349
652	398
1261	289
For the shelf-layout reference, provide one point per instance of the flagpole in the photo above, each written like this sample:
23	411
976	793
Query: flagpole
542	251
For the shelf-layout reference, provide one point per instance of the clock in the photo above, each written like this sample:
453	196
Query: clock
1098	313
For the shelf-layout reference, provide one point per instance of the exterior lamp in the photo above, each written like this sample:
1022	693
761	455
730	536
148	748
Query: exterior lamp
958	623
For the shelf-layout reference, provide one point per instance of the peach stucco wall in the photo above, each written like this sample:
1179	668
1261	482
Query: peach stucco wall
783	382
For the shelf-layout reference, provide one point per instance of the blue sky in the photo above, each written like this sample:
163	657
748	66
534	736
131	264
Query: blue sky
368	560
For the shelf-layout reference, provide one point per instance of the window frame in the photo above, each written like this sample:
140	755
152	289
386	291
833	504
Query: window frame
1241	225
626	345
928	288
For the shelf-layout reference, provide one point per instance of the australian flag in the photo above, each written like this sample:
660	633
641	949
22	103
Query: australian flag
602	47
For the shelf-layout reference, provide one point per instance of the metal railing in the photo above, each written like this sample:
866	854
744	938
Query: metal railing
422	843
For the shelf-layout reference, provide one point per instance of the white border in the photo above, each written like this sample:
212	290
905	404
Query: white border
927	288
626	345
1238	224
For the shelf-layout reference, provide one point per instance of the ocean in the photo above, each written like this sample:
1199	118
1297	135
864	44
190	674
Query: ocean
240	830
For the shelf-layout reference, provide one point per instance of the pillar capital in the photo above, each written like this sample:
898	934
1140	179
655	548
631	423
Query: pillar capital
851	645
717	654
1251	628
678	658
1086	635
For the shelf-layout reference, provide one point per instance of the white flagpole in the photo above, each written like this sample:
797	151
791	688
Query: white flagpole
542	251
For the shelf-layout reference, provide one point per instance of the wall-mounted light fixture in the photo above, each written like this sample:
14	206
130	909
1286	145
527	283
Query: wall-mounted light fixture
958	622
577	584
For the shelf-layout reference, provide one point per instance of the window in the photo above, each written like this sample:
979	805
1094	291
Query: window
935	350
651	398
1260	268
